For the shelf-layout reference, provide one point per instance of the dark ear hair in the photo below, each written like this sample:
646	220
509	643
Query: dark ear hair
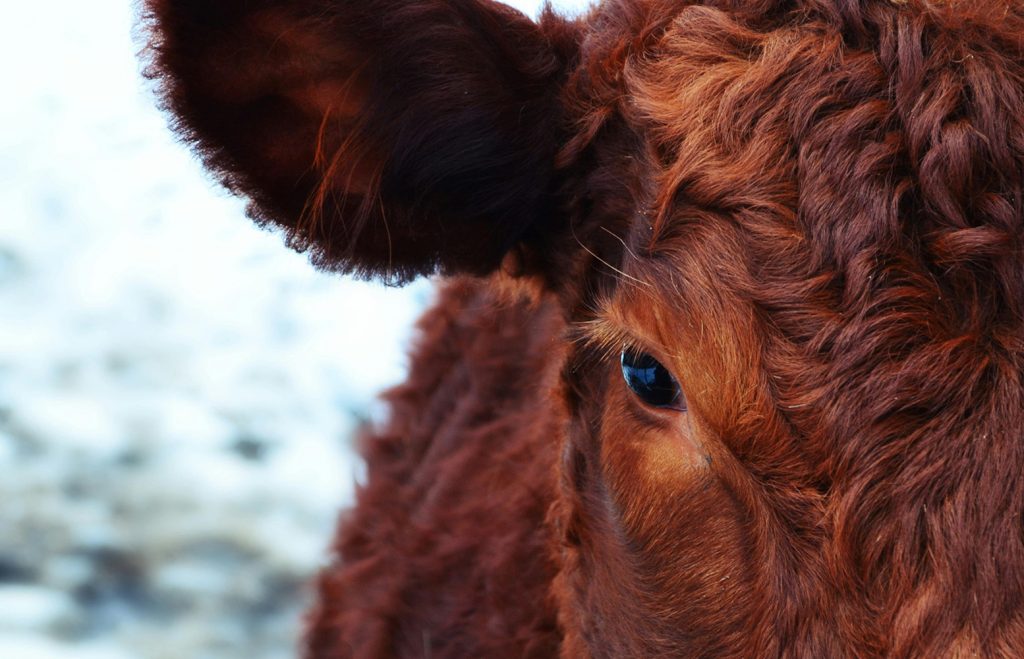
390	138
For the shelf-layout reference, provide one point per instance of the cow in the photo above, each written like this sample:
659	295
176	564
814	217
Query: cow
728	353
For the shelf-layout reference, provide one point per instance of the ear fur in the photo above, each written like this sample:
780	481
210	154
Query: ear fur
389	138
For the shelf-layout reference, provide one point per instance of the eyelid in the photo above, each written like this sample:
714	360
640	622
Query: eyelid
610	338
636	345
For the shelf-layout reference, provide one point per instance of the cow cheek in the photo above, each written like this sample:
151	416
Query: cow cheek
680	529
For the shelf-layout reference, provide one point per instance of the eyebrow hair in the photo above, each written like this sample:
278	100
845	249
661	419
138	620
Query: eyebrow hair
608	337
607	329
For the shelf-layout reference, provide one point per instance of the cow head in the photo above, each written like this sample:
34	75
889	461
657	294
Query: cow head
787	237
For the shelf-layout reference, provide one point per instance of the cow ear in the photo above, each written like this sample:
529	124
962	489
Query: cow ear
388	138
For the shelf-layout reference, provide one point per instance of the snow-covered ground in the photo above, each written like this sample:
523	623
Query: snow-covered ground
177	390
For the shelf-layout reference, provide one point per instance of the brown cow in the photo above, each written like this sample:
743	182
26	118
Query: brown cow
730	356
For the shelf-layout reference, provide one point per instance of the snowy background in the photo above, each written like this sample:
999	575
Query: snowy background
177	390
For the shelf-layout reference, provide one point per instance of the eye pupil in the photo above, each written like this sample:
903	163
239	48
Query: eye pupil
650	381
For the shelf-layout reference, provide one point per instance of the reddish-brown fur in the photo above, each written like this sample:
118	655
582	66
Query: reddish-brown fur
810	211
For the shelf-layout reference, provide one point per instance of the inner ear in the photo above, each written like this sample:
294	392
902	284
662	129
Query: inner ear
388	138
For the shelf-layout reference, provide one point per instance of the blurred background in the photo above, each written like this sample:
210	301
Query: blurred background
177	389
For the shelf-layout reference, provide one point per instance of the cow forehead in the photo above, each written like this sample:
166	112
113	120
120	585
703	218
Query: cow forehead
796	149
740	120
837	206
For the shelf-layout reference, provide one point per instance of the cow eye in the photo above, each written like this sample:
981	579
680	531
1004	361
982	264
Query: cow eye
650	381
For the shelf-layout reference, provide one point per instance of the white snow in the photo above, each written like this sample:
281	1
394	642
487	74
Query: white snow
24	646
177	389
31	607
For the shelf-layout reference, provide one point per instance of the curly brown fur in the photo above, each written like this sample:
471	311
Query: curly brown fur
812	213
424	569
834	269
